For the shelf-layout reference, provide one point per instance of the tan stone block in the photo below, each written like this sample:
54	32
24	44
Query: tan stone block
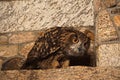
110	3
3	39
22	37
105	31
71	73
24	75
8	50
24	49
108	55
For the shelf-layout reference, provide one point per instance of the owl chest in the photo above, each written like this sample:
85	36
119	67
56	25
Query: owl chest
54	61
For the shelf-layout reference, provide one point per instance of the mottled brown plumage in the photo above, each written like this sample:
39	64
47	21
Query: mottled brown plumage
14	63
55	47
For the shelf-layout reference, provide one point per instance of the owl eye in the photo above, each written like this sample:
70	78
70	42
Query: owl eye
75	39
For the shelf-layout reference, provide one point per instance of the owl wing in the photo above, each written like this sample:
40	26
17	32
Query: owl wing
42	49
47	44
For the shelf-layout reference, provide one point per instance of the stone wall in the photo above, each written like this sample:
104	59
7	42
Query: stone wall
19	31
107	23
19	15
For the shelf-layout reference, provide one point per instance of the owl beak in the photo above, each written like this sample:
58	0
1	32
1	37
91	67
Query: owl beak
84	47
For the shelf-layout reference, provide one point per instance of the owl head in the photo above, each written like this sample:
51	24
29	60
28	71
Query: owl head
76	44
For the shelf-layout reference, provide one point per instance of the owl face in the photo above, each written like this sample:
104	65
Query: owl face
78	45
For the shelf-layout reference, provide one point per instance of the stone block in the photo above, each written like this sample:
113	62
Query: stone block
25	49
22	37
35	15
8	50
72	73
3	39
105	31
108	55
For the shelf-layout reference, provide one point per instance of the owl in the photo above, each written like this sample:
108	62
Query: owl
56	47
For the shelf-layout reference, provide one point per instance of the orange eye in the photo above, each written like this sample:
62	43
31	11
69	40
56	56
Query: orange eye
75	40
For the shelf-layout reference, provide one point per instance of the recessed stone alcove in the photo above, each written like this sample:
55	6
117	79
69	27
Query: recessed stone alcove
19	44
22	20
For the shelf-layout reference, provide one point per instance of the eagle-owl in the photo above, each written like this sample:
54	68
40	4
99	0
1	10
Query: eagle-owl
56	47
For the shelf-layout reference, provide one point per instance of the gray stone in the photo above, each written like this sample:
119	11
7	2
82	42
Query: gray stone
38	14
108	55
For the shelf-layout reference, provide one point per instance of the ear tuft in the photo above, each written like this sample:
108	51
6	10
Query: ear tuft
90	34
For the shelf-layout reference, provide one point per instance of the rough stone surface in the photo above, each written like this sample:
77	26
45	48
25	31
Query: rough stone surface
105	31
25	48
22	37
108	55
72	73
3	39
8	50
38	14
110	3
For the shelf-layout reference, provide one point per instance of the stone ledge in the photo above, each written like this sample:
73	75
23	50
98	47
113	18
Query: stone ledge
71	73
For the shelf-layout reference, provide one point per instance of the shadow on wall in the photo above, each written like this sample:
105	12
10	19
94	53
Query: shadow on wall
86	60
